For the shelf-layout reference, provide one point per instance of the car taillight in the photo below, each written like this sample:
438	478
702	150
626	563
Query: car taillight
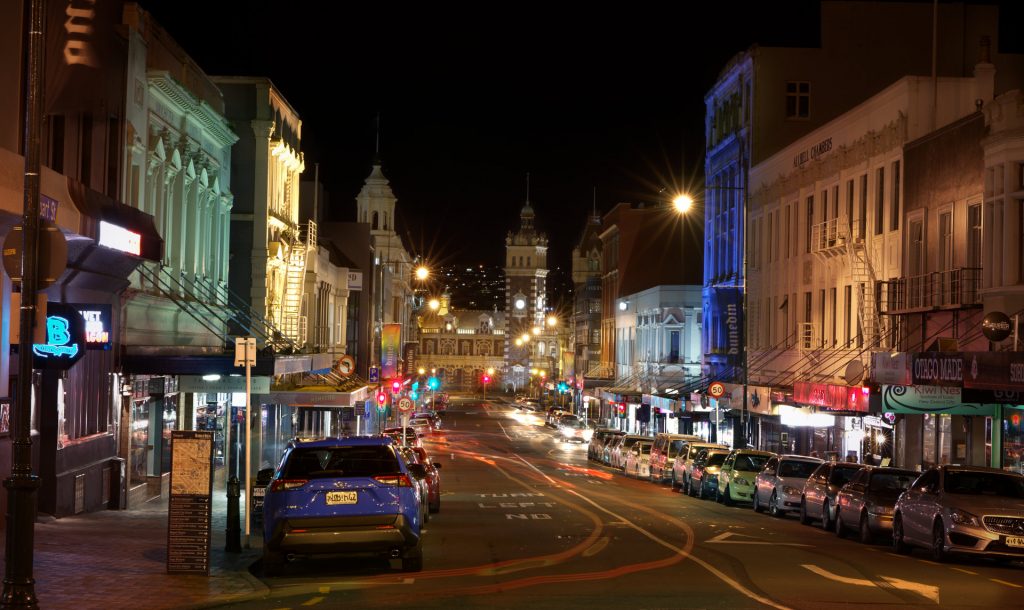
398	480
286	484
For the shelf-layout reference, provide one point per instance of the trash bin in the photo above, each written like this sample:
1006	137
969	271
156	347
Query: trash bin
118	484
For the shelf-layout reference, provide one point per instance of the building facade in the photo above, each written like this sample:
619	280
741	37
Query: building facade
459	346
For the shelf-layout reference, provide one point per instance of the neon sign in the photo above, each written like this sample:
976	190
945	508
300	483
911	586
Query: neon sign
58	340
98	325
120	238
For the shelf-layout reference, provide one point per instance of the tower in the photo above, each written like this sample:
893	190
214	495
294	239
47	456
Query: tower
525	299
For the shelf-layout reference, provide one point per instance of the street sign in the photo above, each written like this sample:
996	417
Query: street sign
374	374
716	389
346	365
404	404
53	253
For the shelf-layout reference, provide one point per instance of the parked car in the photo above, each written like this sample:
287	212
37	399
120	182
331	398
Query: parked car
595	450
664	451
866	502
610	448
780	485
638	458
962	509
736	478
554	415
572	430
432	469
342	495
683	463
704	477
411	438
419	476
619	451
818	500
422	426
433	418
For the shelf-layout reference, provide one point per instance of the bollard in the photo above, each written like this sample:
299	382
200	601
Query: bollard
234	529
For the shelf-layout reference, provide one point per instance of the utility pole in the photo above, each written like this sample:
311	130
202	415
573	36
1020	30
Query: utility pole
19	584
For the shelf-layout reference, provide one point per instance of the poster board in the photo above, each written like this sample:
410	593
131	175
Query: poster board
191	502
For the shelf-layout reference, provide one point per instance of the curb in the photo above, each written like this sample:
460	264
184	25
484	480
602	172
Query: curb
260	591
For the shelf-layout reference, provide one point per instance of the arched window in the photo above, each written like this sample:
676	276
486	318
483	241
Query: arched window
375	221
541	347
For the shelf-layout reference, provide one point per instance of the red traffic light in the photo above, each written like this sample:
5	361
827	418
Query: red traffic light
396	386
381	398
486	379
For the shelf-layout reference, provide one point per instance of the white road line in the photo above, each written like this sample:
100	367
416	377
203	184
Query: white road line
928	591
965	571
707	566
1008	584
723	539
503	431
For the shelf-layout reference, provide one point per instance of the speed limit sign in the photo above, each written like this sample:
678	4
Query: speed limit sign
716	389
404	404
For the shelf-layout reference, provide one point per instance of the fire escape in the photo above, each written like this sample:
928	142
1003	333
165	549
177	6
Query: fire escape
293	316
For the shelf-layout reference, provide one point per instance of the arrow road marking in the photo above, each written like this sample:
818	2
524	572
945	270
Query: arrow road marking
928	591
722	539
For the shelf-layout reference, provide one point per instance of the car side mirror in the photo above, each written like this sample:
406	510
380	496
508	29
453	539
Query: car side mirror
264	476
417	470
437	464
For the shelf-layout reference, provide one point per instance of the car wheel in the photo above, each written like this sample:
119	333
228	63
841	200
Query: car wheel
939	542
839	528
688	486
826	516
757	502
413	560
804	519
866	536
700	490
898	545
672	481
273	562
773	505
727	497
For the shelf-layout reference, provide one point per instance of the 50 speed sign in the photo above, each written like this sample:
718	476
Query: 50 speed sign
716	389
404	404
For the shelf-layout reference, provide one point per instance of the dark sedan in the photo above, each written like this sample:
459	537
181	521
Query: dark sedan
865	504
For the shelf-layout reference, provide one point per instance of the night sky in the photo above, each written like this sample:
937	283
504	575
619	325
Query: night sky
473	97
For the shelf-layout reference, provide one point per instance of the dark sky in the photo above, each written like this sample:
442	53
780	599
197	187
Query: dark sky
474	96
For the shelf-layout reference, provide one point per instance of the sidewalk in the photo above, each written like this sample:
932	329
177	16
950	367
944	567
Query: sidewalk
117	560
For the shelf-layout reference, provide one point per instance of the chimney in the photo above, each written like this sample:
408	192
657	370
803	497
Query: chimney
985	72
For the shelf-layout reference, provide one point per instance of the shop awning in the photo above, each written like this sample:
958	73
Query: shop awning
298	398
97	208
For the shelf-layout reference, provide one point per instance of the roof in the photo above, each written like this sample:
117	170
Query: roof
358	441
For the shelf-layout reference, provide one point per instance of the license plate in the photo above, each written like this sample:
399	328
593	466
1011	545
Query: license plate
341	497
1017	541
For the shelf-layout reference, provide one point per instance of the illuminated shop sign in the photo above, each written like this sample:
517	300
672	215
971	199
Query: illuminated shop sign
120	238
831	397
65	338
98	324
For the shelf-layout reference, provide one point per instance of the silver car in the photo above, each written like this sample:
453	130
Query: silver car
818	500
865	503
962	509
780	485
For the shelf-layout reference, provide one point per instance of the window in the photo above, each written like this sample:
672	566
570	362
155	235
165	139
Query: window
810	223
798	99
879	200
807	319
849	208
673	346
974	235
769	236
945	241
862	213
824	205
832	296
786	232
916	254
848	306
55	151
894	216
595	335
85	144
821	316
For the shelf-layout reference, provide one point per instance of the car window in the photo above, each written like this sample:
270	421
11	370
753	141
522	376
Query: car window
771	466
926	480
984	484
675	447
716	459
841	475
360	461
890	481
749	463
796	468
818	476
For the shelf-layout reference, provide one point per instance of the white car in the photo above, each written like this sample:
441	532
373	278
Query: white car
780	485
683	464
621	449
638	460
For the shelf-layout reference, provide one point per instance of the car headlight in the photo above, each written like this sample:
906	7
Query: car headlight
962	517
740	481
880	510
588	435
567	431
791	491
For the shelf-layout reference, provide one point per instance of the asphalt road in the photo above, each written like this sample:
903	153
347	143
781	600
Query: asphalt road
527	522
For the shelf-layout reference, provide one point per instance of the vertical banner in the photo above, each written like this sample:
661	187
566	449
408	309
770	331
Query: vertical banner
411	348
727	309
389	350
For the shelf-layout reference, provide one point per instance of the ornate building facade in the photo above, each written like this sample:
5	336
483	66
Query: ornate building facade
459	346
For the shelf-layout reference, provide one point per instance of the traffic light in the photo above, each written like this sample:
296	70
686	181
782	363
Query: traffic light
382	399
486	379
433	383
621	408
396	386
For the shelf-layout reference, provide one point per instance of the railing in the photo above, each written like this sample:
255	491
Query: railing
950	288
826	235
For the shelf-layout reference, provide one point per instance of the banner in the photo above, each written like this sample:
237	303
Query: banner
929	399
937	368
389	350
994	371
893	369
727	310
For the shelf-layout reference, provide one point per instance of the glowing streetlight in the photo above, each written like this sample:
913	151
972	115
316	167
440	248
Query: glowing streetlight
422	370
490	370
422	273
434	304
552	320
682	203
536	330
519	342
525	338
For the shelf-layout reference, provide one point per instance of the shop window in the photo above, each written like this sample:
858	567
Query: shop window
1013	439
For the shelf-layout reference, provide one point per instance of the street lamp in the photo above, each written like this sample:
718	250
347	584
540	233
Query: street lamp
682	203
422	273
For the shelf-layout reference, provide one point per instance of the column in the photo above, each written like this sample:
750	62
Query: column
262	162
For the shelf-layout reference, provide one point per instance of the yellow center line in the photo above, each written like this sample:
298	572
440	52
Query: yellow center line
965	571
1008	584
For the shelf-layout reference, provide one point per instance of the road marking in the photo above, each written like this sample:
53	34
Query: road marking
931	563
313	602
722	539
1008	584
596	548
928	591
686	555
325	590
965	571
503	431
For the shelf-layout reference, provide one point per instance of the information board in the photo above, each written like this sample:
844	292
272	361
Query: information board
189	508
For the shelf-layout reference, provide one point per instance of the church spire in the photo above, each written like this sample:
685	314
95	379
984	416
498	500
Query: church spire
376	155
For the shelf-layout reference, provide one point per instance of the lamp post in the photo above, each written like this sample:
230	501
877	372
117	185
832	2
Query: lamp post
684	203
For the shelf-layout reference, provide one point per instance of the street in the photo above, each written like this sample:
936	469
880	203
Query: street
527	522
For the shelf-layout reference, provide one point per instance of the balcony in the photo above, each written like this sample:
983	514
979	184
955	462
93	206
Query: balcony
827	239
950	289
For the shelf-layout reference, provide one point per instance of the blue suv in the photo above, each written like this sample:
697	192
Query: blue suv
350	495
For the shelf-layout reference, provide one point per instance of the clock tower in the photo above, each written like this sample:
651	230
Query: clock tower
526	272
